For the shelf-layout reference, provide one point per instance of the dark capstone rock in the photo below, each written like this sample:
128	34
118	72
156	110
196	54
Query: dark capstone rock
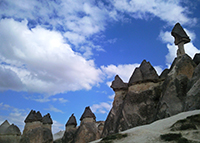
118	84
196	58
33	116
136	76
145	72
148	72
47	119
72	121
179	34
88	114
12	130
164	74
4	126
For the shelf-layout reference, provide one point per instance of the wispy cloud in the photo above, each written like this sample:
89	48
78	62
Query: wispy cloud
102	107
53	109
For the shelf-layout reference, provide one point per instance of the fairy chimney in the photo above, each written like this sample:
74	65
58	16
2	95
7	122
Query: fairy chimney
32	121
4	126
47	121
87	116
71	123
180	38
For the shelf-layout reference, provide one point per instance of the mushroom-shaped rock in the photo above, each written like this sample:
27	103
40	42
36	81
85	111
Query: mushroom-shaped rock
87	114
12	130
33	116
4	126
47	119
118	84
179	34
71	121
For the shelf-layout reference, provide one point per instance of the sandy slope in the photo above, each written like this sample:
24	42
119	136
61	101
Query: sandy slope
151	133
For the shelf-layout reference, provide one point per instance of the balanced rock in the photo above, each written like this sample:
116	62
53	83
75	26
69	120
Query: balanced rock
118	84
179	34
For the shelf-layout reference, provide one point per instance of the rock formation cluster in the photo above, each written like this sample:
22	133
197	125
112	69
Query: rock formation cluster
88	130
149	97
9	133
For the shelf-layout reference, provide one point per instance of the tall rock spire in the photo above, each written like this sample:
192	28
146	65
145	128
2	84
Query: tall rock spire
88	114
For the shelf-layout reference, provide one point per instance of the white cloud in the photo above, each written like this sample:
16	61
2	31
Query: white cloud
53	109
102	107
169	11
111	96
56	127
124	71
42	61
61	100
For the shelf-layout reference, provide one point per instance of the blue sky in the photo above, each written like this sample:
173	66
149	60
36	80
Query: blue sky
60	56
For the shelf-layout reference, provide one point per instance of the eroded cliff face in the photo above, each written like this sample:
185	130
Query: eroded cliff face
149	97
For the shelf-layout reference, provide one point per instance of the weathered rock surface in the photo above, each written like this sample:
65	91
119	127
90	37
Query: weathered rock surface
175	86
12	130
33	116
88	114
144	73
9	133
4	126
150	98
86	132
118	84
37	135
47	119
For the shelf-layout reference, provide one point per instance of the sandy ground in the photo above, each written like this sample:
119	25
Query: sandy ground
151	133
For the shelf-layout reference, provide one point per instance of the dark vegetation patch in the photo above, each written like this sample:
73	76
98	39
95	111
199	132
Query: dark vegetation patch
170	137
110	138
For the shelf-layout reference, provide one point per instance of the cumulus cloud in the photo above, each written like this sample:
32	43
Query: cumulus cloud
42	61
